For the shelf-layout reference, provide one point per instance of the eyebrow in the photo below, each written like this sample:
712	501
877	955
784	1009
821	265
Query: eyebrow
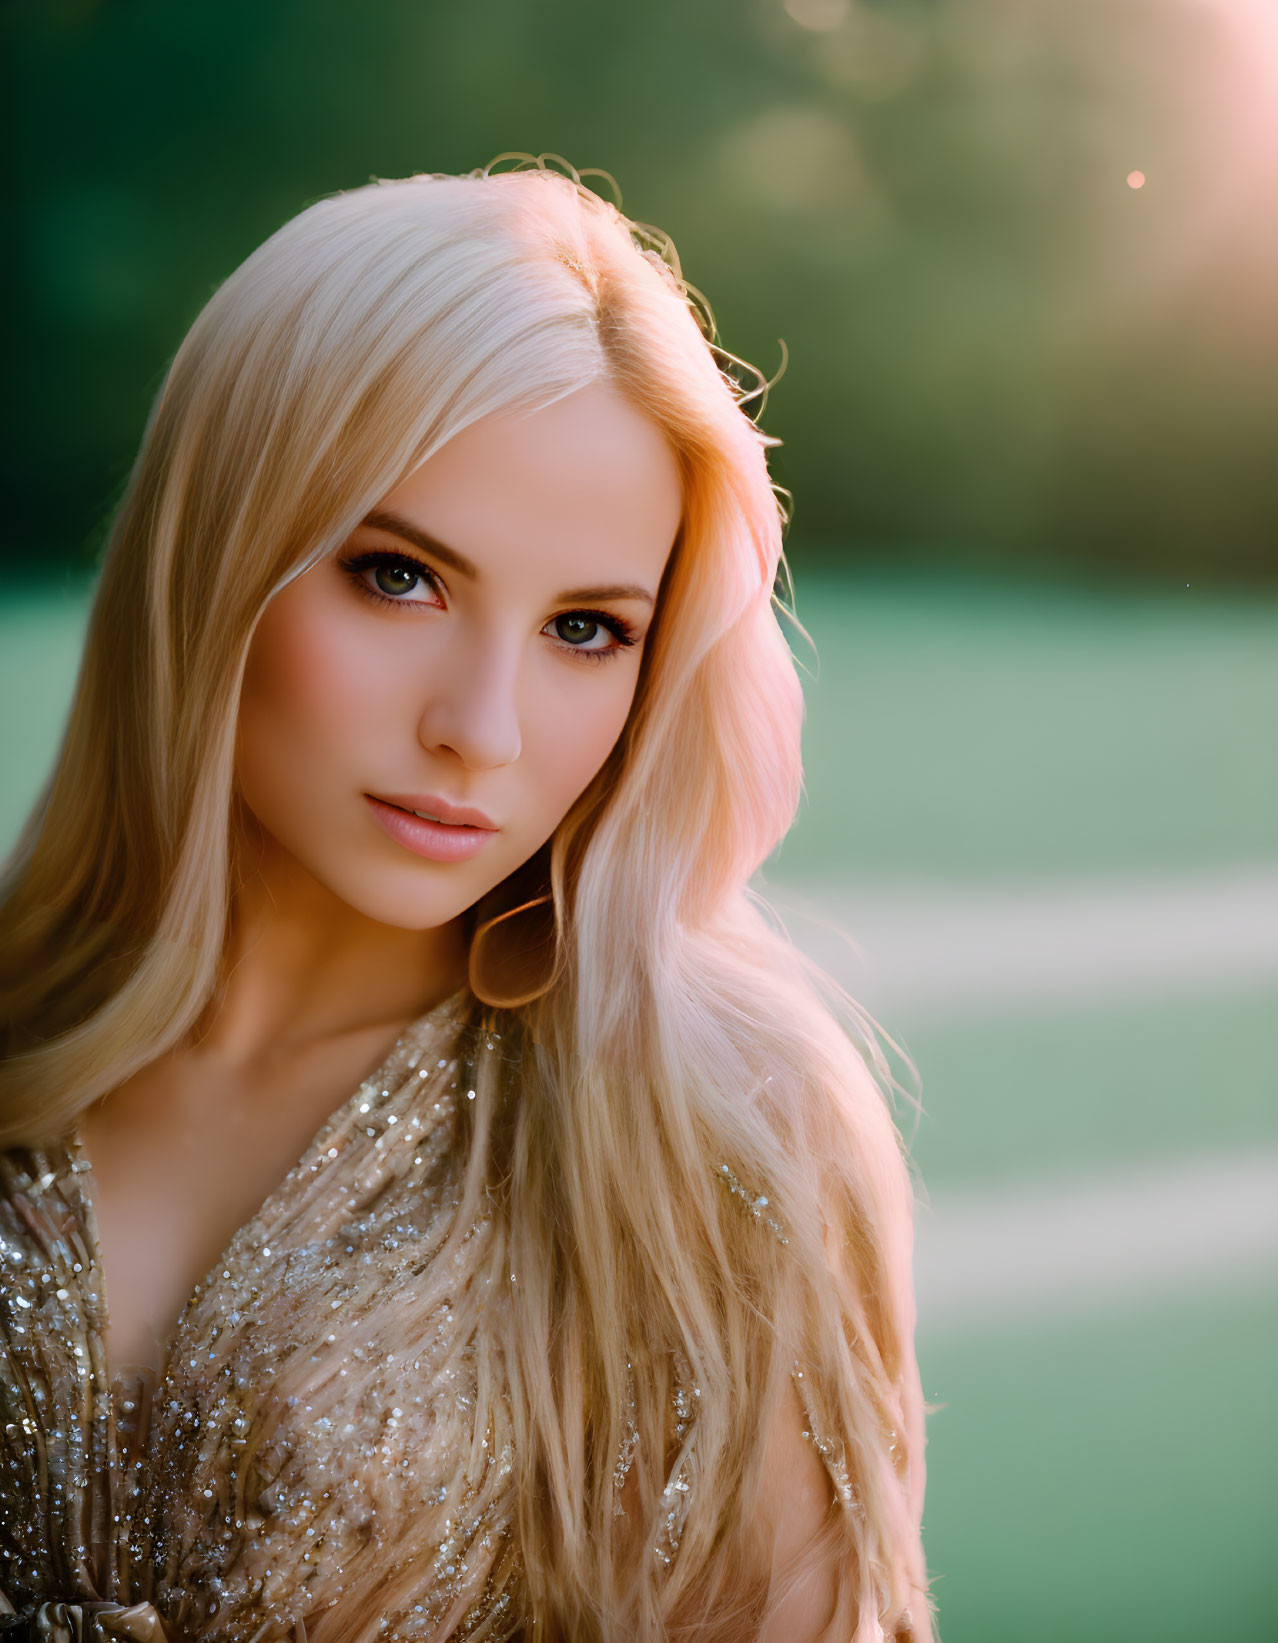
394	525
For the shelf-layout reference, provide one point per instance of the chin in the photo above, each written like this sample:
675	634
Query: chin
412	913
387	899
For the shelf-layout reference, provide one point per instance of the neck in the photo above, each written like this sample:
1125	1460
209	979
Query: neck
302	966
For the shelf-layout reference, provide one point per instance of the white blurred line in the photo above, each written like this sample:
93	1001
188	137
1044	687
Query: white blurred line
1088	1246
1012	948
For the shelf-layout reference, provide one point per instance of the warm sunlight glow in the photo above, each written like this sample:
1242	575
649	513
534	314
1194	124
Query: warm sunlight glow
821	16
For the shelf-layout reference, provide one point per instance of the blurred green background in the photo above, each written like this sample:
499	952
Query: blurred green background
1000	349
1024	258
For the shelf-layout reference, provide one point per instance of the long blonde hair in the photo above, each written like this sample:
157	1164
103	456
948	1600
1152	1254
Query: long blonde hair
678	1055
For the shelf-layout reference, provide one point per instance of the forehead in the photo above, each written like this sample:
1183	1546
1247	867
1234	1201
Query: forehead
587	481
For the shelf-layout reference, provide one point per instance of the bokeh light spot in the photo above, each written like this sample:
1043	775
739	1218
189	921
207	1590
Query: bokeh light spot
797	160
818	15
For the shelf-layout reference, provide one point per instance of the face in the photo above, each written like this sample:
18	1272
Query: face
471	652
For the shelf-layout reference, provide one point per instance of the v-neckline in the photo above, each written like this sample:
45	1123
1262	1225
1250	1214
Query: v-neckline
98	1318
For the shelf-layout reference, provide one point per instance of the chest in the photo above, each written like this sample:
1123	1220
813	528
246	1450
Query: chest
329	1387
185	1154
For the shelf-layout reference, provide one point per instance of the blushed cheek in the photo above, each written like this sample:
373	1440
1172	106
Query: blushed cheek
346	687
576	745
304	704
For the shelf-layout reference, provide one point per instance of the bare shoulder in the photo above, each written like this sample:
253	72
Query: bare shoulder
796	1506
815	1584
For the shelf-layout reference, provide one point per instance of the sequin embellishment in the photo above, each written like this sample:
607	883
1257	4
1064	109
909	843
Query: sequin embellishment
259	1481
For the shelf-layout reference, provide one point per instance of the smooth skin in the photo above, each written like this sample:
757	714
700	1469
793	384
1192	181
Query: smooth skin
477	638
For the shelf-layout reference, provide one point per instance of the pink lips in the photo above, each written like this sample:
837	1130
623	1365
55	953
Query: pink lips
459	834
441	809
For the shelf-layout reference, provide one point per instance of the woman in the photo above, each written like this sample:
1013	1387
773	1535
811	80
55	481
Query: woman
433	717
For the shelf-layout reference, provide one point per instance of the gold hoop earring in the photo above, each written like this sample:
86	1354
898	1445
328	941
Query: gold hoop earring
525	962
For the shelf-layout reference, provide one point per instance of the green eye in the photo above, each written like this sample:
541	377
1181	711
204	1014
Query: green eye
573	629
395	578
387	577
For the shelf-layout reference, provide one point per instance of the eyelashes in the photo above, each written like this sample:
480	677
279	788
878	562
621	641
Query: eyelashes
624	635
361	562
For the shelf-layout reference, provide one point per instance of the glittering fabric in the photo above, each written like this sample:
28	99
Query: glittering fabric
237	1497
82	1623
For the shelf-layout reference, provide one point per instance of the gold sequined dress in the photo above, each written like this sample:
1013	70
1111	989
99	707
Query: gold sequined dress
167	1510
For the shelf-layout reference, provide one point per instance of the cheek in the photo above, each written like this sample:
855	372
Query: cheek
571	744
309	689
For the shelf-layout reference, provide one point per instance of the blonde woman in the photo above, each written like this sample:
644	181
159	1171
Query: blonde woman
437	1203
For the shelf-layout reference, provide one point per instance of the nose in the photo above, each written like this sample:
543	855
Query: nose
471	704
